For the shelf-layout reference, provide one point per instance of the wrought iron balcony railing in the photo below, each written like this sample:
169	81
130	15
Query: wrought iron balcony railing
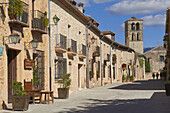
38	21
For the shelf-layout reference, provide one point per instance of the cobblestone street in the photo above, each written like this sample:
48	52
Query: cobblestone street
147	96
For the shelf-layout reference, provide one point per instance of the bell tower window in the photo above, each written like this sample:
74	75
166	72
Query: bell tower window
133	26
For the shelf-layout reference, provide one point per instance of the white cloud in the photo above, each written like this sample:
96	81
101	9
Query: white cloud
85	2
154	20
102	1
139	7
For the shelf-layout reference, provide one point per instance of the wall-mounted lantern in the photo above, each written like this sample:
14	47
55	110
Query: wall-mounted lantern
55	19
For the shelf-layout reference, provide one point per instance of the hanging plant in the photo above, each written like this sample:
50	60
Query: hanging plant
15	9
46	22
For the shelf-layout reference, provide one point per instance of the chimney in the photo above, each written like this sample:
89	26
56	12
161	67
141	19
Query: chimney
80	7
73	2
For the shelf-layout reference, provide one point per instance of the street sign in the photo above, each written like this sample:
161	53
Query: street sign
1	50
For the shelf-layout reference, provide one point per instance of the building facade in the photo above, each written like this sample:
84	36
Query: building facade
156	58
18	58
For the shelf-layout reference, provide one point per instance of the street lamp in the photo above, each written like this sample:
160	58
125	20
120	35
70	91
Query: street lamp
34	44
93	40
14	38
55	19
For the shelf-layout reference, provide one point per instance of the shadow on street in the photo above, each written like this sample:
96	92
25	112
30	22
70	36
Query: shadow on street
143	85
159	103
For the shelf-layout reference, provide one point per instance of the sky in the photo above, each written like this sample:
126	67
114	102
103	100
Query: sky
111	14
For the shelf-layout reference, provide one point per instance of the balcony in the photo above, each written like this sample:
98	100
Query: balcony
38	22
72	48
82	51
97	52
21	19
61	42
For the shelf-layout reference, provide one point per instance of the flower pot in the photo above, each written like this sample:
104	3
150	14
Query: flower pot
167	88
63	93
20	103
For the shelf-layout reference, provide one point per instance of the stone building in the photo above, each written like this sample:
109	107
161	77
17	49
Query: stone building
134	34
70	43
17	58
156	58
167	35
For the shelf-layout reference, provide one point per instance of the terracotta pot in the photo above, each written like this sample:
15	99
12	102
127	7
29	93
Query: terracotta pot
63	93
20	103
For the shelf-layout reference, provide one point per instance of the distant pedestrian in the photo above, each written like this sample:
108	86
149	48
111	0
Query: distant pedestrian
153	75
157	75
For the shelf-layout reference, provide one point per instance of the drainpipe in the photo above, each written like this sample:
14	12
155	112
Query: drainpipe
111	61
101	59
116	69
88	25
49	44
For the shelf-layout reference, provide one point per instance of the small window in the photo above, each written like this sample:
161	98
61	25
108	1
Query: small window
132	36
137	26
133	26
162	58
138	37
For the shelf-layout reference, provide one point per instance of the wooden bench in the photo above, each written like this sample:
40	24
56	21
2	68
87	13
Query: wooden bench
47	97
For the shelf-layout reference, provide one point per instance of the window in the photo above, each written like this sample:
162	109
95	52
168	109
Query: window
133	26
138	37
132	36
38	70
61	67
74	45
137	26
162	58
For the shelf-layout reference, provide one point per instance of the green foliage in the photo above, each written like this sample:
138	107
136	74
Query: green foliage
65	80
128	77
15	8
98	74
46	22
35	76
141	61
91	73
147	66
131	78
123	77
163	74
114	57
19	91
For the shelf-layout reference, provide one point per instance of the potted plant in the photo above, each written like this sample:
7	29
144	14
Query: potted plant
15	9
163	75
123	78
65	81
98	74
91	73
131	78
128	78
167	88
20	101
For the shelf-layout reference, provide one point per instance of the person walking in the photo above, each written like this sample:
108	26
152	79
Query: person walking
157	75
153	75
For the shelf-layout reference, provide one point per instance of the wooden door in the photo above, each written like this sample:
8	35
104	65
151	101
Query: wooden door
79	67
12	72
